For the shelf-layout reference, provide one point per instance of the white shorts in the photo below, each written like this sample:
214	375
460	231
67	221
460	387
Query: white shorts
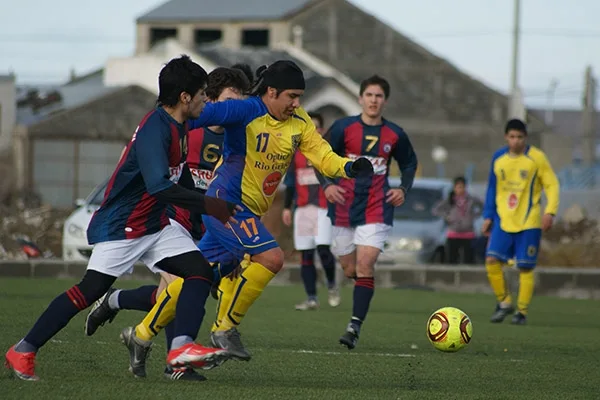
117	257
312	228
345	239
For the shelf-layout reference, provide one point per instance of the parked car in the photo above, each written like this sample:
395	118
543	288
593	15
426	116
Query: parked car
418	236
74	243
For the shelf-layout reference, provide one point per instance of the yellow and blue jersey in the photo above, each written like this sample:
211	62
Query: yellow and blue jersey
258	149
515	186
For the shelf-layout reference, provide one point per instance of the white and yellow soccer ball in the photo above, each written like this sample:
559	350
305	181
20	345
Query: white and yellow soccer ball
449	329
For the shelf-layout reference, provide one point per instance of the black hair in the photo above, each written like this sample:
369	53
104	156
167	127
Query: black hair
281	75
515	125
375	80
452	195
221	78
177	76
246	69
318	117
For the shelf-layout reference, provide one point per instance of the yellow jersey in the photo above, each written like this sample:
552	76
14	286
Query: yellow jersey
515	186
258	149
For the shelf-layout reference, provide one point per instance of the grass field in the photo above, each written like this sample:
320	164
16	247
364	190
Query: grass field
296	355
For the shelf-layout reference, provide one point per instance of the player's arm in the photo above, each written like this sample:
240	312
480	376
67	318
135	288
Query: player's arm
335	137
223	113
550	184
152	149
489	208
320	154
290	186
405	156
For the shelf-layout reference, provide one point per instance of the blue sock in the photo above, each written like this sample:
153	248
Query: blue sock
58	314
328	262
142	298
309	273
170	334
190	309
364	288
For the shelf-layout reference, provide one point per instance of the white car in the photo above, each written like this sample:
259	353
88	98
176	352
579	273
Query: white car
75	245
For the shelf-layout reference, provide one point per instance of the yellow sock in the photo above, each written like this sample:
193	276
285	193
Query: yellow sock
526	285
497	282
248	287
226	288
162	313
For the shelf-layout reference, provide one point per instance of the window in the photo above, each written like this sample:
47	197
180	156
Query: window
255	37
202	36
159	34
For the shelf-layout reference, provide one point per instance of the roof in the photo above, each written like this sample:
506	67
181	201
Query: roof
256	57
223	10
7	78
564	122
112	116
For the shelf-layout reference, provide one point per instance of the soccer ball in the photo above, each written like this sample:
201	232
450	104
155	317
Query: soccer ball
449	329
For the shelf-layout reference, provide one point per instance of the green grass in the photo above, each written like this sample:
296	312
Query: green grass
296	355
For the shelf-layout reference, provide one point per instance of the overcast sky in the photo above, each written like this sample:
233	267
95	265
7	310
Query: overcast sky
42	41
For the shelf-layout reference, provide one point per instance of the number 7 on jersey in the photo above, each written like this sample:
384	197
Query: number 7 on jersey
262	141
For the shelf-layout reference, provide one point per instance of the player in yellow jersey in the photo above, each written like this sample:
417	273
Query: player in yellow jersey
518	175
262	134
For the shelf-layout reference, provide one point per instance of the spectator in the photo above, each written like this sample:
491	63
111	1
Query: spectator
459	211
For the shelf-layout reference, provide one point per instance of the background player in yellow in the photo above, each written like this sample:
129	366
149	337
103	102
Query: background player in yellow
518	175
262	134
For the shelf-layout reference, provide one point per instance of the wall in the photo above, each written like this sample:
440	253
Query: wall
8	110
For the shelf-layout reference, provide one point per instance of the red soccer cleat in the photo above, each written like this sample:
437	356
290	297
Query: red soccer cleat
196	356
22	364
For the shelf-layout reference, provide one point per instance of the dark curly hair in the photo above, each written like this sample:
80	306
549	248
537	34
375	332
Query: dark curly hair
221	78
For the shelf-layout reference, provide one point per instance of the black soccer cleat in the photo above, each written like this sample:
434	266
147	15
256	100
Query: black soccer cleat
519	319
183	374
100	314
501	313
231	341
139	350
350	338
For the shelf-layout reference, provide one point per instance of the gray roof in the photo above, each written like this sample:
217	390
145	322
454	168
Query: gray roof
564	122
223	10
7	78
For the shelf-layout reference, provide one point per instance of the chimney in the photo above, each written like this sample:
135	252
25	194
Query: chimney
298	33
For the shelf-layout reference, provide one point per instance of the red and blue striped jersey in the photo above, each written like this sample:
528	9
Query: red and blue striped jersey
365	196
152	162
302	176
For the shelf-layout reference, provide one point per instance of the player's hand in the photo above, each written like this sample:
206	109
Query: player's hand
395	196
286	216
335	194
222	210
361	167
547	221
235	273
487	225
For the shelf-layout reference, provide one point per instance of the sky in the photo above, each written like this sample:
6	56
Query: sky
42	41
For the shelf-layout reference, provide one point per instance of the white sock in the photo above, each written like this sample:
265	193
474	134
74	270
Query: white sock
113	300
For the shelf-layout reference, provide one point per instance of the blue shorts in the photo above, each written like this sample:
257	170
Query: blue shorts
523	246
227	244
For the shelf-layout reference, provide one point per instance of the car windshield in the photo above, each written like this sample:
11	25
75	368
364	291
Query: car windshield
418	205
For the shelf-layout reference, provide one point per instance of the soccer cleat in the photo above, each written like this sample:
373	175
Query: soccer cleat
350	338
501	313
519	319
99	314
231	341
183	374
334	298
196	356
307	305
22	364
139	350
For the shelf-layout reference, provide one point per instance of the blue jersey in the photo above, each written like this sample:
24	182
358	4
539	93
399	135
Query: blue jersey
152	162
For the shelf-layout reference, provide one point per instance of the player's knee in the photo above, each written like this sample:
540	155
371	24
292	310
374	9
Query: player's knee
271	259
325	254
491	260
93	285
